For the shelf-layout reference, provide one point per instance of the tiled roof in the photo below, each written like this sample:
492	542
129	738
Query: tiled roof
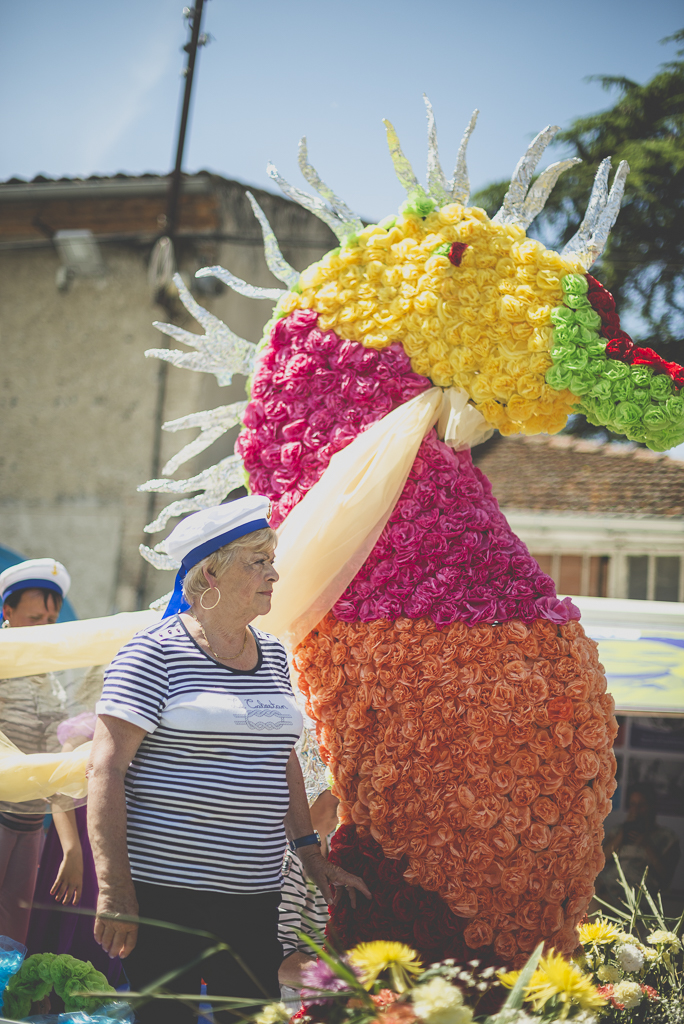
566	474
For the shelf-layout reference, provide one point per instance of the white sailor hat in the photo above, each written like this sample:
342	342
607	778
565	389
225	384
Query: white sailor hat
44	573
202	533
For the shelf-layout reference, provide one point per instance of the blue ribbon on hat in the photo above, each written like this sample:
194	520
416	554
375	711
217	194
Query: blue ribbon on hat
178	603
41	584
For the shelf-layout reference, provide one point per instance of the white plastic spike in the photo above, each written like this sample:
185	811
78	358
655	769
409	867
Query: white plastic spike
511	211
213	424
226	415
459	186
250	291
597	201
157	560
311	203
542	188
402	167
436	180
201	442
275	261
590	240
311	175
216	483
219	350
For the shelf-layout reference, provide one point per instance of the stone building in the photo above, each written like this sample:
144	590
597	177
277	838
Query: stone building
81	406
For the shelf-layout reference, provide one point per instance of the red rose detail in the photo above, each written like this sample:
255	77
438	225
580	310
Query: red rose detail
559	709
620	348
528	914
516	819
514	880
506	946
503	841
524	792
536	837
527	940
611	325
649	357
556	891
478	933
545	810
553	919
587	764
456	253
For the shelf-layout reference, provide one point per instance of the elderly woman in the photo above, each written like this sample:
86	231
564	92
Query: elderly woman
194	783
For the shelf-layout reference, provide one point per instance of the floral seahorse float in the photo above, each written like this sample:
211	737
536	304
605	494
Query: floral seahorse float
459	705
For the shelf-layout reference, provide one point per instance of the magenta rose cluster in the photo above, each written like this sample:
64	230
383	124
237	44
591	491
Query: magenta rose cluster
448	554
312	393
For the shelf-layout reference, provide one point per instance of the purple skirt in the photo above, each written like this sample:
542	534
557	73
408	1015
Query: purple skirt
54	931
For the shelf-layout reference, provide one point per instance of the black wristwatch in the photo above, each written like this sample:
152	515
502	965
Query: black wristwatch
295	844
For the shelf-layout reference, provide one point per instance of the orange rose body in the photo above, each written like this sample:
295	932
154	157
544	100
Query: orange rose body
523	858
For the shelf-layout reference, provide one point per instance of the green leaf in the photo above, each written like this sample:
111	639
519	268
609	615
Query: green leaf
517	993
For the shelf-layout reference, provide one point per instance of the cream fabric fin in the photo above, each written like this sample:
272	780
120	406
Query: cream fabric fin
327	537
39	776
36	649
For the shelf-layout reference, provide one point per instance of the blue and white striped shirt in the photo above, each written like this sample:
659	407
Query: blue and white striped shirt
206	792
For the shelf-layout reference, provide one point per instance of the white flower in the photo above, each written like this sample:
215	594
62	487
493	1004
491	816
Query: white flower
274	1013
438	1002
608	973
661	938
628	993
506	1017
629	957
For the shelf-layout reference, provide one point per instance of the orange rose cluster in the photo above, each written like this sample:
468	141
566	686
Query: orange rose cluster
479	757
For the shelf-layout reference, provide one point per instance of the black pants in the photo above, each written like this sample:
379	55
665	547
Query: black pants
248	924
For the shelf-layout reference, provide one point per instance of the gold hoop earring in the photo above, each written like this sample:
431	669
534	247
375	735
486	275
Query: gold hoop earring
214	604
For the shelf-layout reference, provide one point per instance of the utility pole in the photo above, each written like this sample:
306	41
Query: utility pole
194	16
163	258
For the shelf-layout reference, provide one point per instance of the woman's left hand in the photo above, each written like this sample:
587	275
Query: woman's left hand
321	872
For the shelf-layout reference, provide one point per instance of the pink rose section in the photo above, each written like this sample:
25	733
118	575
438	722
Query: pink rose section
447	552
312	393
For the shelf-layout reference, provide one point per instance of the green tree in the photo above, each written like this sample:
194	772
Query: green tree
643	264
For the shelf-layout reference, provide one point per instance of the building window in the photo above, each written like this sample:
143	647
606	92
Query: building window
637	581
582	575
654	578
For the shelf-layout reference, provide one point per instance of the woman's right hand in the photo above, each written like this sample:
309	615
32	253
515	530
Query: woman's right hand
117	937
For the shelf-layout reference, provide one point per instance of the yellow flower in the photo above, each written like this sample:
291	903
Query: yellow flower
661	938
372	958
438	1002
273	1013
597	932
556	978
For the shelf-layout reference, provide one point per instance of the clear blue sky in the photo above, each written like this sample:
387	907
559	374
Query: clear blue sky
93	86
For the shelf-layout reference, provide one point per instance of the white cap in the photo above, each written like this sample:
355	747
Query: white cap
35	572
204	532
